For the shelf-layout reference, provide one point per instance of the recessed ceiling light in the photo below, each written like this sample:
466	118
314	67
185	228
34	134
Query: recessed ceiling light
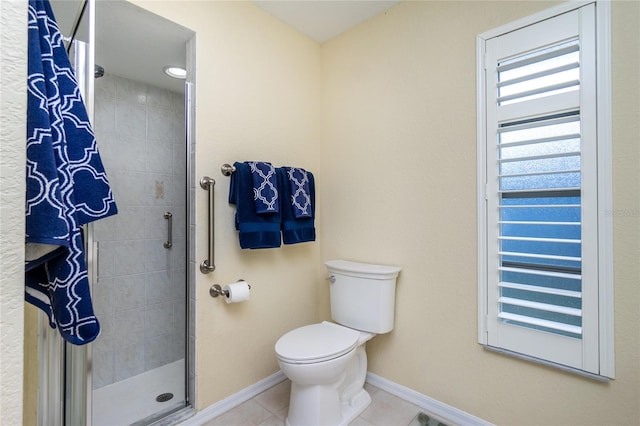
175	72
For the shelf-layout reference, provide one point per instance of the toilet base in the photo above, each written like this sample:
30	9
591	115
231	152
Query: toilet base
359	403
349	410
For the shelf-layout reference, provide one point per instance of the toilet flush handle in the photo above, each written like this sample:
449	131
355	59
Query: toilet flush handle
331	278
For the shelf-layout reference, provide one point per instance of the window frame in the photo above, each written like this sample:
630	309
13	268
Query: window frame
604	246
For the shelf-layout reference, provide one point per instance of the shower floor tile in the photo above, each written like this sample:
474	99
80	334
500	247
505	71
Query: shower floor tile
134	399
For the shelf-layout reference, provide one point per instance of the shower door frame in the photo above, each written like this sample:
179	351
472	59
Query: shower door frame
64	374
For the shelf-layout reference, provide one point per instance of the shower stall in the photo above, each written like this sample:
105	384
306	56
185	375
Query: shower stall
140	290
140	369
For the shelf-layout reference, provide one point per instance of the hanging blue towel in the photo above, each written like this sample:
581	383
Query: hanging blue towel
256	231
300	192
265	187
66	183
296	230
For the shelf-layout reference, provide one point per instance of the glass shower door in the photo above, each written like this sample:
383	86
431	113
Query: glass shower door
140	293
138	367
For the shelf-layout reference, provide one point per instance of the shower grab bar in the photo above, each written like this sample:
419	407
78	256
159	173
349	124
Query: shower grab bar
207	265
227	169
169	243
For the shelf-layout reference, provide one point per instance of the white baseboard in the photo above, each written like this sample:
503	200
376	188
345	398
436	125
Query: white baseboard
447	413
234	400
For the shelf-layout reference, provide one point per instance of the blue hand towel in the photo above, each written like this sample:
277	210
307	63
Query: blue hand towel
256	231
300	192
296	230
66	183
265	187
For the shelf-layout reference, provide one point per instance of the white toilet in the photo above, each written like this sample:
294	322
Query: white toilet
327	362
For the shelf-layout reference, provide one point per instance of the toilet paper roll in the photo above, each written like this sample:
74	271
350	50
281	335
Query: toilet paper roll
237	292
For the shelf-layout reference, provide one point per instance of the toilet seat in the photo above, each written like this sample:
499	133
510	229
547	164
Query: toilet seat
316	343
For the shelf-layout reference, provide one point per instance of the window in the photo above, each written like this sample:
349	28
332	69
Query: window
545	281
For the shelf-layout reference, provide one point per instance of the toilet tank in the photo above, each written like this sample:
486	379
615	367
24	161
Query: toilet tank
363	295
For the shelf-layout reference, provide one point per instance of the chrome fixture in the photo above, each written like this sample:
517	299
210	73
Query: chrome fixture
169	243
98	71
227	169
216	290
207	265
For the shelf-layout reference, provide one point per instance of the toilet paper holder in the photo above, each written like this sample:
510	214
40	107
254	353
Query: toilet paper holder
216	290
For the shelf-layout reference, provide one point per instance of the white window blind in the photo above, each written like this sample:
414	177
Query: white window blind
539	220
539	200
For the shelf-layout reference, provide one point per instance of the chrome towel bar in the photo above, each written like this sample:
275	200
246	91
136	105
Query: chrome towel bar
207	265
227	169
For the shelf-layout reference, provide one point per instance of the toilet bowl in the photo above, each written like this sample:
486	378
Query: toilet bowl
327	366
327	362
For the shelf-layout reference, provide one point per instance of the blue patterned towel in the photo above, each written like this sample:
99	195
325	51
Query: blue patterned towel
296	229
66	183
256	231
265	187
300	193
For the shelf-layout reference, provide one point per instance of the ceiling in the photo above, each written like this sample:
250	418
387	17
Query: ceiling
324	19
137	44
130	42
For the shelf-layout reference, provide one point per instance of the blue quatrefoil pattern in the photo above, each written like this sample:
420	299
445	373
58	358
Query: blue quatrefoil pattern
265	187
66	183
300	194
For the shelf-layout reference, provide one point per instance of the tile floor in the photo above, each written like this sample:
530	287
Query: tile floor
270	409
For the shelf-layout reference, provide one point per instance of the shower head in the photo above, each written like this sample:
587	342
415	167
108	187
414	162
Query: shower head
98	71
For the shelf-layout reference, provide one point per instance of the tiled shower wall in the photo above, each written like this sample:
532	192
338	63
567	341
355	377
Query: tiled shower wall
140	294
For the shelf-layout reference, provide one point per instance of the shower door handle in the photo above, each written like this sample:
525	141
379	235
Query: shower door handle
169	243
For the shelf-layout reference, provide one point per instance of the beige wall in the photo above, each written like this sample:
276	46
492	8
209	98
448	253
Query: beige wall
257	98
399	168
13	103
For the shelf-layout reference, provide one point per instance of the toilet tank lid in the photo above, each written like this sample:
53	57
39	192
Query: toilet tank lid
368	270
